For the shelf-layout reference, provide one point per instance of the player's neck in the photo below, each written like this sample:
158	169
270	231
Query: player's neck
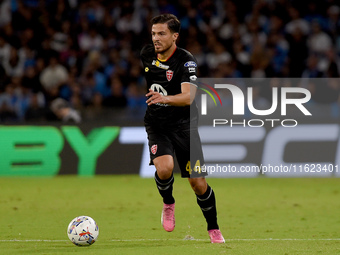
167	54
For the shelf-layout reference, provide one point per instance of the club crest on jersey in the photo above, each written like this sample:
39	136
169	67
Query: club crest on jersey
169	75
154	149
160	65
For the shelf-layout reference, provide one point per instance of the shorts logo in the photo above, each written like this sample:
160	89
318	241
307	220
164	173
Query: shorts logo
154	149
169	75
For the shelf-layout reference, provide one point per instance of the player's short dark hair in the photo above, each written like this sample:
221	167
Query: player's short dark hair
173	23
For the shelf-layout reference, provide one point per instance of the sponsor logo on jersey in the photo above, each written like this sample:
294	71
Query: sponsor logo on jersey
158	88
160	65
192	69
190	63
154	149
193	77
169	75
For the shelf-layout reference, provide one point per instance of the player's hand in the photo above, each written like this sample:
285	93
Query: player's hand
155	98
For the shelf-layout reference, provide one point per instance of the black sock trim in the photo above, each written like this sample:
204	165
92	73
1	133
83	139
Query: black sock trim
207	203
163	182
206	195
165	188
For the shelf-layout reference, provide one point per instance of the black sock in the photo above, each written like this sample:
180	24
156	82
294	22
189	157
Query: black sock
165	188
207	203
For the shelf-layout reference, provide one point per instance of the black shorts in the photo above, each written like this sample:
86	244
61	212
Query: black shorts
184	143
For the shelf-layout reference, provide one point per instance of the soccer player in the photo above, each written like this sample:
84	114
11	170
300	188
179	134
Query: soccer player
171	121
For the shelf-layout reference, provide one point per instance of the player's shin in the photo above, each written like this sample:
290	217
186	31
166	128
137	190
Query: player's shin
165	188
207	203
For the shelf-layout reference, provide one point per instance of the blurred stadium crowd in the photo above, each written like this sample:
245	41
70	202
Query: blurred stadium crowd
69	59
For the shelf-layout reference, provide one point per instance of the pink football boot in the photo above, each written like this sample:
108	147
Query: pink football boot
216	236
168	217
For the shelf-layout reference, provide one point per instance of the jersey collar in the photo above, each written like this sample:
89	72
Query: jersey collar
164	60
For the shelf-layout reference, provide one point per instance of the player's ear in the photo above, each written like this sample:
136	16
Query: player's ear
175	36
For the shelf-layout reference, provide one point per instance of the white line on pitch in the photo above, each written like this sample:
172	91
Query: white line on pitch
200	240
32	240
231	240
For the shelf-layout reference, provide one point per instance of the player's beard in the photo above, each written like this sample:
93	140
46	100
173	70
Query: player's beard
161	51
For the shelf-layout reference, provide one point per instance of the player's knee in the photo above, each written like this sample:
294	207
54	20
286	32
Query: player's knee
164	173
199	185
164	168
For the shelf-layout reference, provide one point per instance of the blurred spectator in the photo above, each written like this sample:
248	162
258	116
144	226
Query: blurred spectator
60	38
226	70
117	97
90	40
197	50
242	57
254	35
296	22
208	18
94	69
5	49
36	110
88	87
217	56
8	104
166	7
129	20
312	69
31	80
333	21
76	100
279	48
14	64
136	99
232	26
260	60
318	41
113	61
53	77
315	11
64	112
3	78
5	12
298	53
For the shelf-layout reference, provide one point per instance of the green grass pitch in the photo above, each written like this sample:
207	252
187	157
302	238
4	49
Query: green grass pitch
256	216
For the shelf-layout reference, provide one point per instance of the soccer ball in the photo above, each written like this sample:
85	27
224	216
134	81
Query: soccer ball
83	231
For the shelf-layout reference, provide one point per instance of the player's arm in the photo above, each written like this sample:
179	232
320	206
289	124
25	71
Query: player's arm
186	97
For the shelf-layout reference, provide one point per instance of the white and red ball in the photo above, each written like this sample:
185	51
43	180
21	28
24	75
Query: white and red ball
83	231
